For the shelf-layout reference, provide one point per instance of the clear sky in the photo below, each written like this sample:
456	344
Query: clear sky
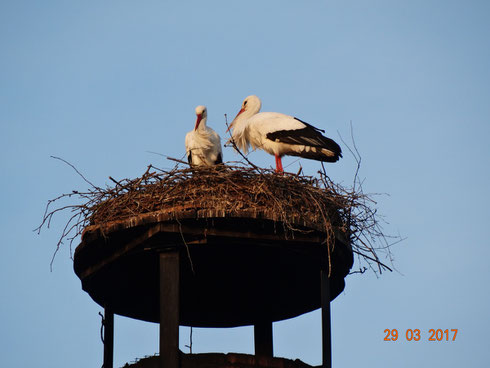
101	83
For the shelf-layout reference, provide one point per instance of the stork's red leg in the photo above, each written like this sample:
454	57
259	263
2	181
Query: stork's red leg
279	168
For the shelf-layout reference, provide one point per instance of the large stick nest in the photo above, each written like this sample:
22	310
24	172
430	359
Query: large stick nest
294	200
224	191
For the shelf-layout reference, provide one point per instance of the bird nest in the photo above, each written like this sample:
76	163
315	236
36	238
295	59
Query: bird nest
297	202
223	191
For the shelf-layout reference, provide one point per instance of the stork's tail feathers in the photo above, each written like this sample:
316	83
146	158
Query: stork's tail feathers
317	153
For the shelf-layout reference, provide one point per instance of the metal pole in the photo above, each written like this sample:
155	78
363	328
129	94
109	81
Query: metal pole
169	309
108	337
263	339
326	326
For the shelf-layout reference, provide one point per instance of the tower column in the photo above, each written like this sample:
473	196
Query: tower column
263	339
326	327
108	324
169	309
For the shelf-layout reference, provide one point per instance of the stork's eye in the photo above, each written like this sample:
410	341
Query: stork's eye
244	103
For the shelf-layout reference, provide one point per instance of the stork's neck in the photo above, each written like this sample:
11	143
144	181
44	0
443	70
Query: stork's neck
202	125
240	122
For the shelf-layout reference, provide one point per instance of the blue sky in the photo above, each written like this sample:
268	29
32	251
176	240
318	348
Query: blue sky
102	83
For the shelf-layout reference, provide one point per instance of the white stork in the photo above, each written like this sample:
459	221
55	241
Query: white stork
280	134
203	144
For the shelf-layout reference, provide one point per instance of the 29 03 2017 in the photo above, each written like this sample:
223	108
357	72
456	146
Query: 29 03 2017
416	335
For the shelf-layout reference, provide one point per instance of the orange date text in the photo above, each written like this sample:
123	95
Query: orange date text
416	335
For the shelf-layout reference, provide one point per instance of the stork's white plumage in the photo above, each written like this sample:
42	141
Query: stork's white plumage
280	135
203	144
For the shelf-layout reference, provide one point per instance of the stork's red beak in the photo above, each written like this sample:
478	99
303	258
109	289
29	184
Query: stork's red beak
199	118
233	122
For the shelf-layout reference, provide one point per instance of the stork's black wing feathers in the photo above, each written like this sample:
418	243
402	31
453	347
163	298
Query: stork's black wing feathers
219	159
189	157
309	125
308	136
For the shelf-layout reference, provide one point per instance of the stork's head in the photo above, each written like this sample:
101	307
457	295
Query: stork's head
202	114
250	106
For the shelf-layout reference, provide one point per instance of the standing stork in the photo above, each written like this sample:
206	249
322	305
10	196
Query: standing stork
279	135
203	144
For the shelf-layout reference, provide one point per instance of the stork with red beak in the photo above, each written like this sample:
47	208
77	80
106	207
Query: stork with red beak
203	144
279	135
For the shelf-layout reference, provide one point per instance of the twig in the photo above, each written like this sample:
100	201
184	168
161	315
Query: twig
378	262
74	168
190	342
114	180
186	247
233	143
176	160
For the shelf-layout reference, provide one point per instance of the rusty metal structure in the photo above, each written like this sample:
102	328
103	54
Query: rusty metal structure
225	270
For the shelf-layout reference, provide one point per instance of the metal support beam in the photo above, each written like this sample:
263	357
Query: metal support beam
263	339
108	324
169	309
326	327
